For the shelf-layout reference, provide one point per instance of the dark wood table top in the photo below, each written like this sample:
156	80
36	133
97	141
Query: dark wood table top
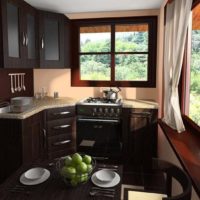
53	188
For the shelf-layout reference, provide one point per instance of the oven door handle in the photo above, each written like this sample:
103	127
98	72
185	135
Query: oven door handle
98	120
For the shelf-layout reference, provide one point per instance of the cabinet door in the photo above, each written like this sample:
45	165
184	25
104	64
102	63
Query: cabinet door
31	36
51	40
13	38
34	138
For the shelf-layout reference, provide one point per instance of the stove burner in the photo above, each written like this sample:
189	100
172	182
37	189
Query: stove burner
102	100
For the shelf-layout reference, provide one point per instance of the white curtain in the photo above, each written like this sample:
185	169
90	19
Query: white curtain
177	19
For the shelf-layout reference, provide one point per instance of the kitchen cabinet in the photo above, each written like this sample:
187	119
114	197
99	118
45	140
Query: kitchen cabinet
22	142
51	39
19	34
60	129
139	135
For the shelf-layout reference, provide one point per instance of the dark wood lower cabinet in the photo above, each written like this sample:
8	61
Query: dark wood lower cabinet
21	142
33	138
139	135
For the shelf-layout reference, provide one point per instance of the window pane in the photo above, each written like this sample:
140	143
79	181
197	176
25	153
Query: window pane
194	106
95	39
95	67
131	38
131	67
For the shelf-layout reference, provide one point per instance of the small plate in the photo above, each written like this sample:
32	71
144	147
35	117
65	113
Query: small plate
105	175
34	173
27	181
99	183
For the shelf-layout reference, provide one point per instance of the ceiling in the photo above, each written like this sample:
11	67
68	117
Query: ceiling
79	6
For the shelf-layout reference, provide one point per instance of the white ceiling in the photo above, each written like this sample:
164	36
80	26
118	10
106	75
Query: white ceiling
79	6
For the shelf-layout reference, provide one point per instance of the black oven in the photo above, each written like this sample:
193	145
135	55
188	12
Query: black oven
99	130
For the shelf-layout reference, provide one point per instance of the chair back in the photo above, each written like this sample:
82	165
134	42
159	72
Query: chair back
173	171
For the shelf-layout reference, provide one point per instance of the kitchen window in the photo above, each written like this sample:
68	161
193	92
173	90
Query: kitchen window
114	52
191	71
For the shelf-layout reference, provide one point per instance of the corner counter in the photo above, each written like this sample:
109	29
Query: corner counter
137	103
40	105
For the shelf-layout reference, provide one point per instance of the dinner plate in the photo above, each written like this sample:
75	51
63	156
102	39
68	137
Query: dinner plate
26	181
99	183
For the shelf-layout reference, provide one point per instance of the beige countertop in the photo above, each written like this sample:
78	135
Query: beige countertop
137	103
49	102
40	105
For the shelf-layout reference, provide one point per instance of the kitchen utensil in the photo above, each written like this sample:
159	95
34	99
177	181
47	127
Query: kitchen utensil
111	94
103	189
24	87
112	183
99	193
105	175
15	79
19	85
11	84
34	173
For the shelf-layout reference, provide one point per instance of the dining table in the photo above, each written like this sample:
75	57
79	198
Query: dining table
54	187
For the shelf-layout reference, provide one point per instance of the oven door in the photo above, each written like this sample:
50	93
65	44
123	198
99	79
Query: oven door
99	137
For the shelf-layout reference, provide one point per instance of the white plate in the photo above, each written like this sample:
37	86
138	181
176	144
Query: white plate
26	181
105	175
34	173
99	183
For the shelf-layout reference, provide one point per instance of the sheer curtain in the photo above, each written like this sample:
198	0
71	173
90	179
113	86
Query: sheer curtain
177	19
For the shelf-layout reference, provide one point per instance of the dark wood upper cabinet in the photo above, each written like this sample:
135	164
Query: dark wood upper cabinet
51	40
19	34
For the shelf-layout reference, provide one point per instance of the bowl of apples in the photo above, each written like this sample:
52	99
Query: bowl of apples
75	169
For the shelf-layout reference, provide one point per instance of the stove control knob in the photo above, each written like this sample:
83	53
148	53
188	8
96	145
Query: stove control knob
94	110
118	111
106	110
112	110
100	110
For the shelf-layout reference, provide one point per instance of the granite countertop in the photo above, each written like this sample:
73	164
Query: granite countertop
40	105
137	103
50	102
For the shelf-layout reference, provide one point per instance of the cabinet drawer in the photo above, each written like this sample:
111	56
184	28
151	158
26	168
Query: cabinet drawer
60	113
59	142
61	153
61	126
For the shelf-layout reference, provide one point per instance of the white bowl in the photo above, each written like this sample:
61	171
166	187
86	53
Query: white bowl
34	173
105	175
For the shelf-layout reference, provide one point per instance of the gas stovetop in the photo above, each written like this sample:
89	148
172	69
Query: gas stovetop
100	101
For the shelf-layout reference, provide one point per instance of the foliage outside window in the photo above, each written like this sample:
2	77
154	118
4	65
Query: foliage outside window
194	104
118	52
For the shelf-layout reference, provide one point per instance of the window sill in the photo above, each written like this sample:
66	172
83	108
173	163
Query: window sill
186	146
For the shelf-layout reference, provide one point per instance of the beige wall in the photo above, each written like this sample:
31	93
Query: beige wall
59	80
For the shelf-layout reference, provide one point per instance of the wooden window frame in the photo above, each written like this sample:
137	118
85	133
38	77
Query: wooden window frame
152	51
184	87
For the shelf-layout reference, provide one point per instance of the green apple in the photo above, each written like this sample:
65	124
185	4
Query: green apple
89	168
68	172
82	167
76	158
68	160
87	159
74	182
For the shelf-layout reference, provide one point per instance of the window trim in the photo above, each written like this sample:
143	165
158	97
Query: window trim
185	77
152	51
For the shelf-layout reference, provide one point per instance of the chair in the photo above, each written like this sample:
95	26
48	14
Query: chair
169	172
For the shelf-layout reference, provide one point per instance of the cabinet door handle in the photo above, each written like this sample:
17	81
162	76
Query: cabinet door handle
62	113
62	126
42	43
23	39
61	143
26	39
44	138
